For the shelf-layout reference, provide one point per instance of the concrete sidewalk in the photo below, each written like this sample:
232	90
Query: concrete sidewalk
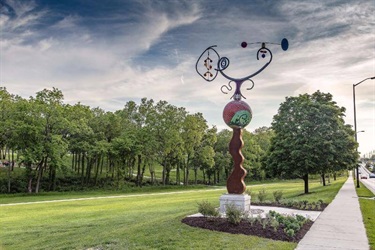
340	225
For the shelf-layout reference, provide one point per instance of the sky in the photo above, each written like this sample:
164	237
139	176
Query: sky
106	53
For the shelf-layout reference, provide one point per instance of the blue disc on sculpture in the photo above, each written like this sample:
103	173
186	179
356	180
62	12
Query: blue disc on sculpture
284	44
237	114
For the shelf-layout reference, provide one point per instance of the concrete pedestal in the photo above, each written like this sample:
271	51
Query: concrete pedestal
241	201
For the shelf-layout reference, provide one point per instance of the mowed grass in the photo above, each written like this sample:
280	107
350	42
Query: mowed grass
134	221
368	212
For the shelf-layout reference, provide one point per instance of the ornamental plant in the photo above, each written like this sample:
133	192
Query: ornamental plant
207	209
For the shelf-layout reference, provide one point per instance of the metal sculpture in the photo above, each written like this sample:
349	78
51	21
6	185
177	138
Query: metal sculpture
237	114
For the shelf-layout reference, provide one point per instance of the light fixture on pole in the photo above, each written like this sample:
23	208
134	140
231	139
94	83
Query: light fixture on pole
355	120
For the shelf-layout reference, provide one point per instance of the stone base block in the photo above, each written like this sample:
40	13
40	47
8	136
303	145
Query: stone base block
241	201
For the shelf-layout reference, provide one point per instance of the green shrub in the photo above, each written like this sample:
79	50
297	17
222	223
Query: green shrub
305	203
234	215
289	232
274	224
249	192
293	225
301	220
264	223
277	195
207	209
272	213
252	220
262	194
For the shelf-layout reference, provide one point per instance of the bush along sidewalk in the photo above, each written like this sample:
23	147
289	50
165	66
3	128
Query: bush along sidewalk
260	199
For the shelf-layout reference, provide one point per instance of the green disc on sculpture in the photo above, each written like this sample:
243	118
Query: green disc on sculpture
237	114
240	119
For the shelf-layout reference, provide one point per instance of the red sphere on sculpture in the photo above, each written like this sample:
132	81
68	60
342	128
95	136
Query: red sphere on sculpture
237	114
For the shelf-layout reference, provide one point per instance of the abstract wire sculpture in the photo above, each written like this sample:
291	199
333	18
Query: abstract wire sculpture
223	64
237	114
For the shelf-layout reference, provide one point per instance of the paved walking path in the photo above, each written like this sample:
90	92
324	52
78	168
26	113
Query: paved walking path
339	226
110	197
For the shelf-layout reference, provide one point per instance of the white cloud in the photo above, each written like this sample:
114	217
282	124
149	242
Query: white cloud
331	47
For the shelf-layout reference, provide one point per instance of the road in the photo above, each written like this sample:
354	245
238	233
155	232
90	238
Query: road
369	182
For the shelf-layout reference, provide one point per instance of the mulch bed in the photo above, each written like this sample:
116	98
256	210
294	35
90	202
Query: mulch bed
222	225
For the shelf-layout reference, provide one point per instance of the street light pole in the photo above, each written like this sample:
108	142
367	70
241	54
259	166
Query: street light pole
355	121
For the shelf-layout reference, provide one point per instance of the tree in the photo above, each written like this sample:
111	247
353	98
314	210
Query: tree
310	137
193	130
51	122
7	135
262	137
223	160
252	153
204	157
168	140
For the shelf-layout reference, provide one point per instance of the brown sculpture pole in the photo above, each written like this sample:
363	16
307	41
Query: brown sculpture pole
235	182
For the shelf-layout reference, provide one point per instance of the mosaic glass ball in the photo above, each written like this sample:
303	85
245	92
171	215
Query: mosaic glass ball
237	114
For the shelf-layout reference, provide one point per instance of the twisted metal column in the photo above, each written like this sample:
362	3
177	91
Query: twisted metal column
235	182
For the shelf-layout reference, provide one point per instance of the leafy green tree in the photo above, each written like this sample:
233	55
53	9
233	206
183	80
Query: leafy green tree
262	137
50	119
169	143
145	139
252	153
193	131
7	132
223	160
306	138
80	135
204	158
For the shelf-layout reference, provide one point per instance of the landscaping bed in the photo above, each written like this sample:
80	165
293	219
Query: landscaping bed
246	228
276	226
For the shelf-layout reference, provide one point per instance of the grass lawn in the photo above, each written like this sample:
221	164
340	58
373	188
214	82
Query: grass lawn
368	212
133	221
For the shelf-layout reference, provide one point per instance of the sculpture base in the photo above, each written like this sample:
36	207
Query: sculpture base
241	201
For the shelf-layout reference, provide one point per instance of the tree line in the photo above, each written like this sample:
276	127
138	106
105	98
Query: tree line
40	133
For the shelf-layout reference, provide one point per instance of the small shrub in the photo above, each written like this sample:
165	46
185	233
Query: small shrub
249	192
277	195
291	224
319	204
262	194
294	225
251	220
246	215
272	213
234	215
287	203
207	209
302	205
264	223
312	205
274	224
301	220
259	219
290	232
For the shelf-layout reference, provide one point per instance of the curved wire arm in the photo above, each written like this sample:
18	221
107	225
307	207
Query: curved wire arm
237	94
196	64
223	64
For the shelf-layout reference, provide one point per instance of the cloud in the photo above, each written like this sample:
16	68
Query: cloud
82	58
104	55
